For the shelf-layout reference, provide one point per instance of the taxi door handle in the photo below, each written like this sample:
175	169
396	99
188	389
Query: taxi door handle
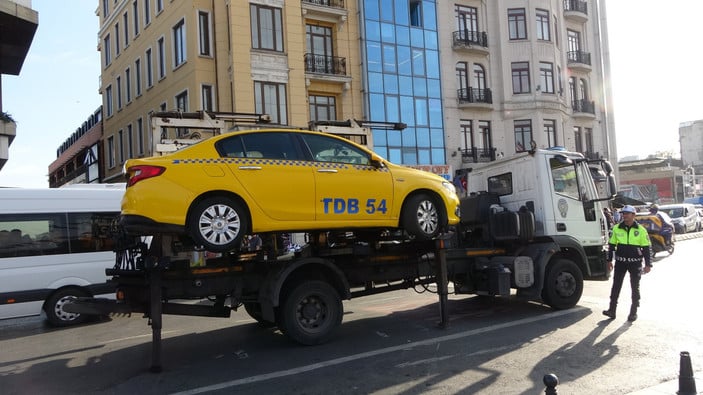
249	167
326	170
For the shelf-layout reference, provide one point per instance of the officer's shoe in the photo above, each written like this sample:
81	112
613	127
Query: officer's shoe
610	314
632	317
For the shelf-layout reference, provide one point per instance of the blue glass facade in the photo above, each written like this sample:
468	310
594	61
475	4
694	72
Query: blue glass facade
402	78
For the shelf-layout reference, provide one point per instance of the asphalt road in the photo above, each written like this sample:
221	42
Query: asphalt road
387	344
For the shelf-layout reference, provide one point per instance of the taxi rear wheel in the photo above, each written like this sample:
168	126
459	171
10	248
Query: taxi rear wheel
421	217
218	224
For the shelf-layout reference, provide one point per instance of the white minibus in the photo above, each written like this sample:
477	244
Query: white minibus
55	245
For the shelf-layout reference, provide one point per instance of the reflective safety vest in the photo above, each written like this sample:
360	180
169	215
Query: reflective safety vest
627	242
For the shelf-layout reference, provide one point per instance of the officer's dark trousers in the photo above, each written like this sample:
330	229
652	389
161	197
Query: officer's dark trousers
619	275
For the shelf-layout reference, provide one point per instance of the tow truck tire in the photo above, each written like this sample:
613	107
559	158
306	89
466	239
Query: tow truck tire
563	284
254	311
53	307
421	217
218	224
310	312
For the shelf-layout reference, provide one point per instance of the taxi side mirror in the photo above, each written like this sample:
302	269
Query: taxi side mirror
377	161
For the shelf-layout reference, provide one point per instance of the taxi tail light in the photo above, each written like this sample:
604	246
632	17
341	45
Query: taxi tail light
142	172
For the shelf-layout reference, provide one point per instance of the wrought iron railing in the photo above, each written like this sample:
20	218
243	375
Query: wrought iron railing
583	105
578	57
325	64
326	3
576	5
468	37
474	95
476	155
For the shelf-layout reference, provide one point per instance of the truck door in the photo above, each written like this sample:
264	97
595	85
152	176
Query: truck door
347	186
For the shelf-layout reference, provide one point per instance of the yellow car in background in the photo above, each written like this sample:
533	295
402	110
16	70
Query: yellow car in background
220	189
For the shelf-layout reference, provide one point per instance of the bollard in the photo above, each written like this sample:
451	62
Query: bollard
687	384
550	381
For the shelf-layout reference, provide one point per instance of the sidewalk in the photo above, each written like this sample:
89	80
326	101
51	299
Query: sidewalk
669	387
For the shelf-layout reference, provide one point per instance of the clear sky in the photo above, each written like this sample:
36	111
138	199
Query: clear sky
655	63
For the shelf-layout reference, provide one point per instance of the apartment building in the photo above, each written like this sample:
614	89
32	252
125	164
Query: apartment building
293	60
472	80
519	75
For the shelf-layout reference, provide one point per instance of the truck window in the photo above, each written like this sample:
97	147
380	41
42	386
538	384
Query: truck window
564	178
501	184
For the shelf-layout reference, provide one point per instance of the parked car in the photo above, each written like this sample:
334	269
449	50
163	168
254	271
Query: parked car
222	188
684	215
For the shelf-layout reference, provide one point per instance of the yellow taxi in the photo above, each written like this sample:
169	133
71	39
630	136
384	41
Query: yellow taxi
222	188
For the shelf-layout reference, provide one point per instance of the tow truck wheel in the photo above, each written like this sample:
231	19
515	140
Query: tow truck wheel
218	224
310	312
53	307
563	284
421	217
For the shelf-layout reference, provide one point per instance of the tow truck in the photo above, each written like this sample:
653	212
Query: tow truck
533	229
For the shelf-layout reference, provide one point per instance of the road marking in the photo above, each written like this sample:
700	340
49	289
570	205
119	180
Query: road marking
368	354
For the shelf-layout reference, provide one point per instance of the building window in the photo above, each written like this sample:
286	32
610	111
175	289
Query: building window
147	12
266	28
462	76
484	129
135	10
111	152
106	9
208	98
204	33
179	43
543	32
416	13
117	38
521	77
517	24
149	71
138	76
119	93
270	98
546	76
140	136
125	23
467	135
182	101
550	131
159	6
523	134
574	38
322	108
128	84
120	146
588	137
479	77
578	141
108	101
107	50
162	58
467	21
130	142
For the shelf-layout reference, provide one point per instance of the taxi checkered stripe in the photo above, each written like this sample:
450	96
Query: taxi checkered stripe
275	162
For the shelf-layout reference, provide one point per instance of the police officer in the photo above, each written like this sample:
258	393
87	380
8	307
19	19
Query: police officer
630	243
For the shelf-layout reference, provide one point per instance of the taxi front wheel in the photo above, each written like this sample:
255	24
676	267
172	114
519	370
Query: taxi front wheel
421	217
218	224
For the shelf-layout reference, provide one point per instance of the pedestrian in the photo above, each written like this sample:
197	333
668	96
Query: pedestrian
630	244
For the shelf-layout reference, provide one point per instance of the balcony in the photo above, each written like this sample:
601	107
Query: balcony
470	41
579	60
478	155
325	10
326	68
584	108
475	98
576	10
